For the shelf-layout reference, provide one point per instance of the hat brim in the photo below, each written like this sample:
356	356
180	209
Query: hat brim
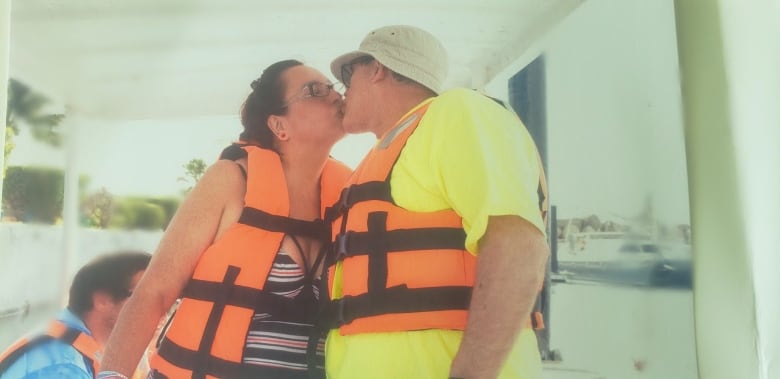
335	66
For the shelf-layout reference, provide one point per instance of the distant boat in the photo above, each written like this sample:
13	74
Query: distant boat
621	258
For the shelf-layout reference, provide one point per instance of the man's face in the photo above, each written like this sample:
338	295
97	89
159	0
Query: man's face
358	105
113	313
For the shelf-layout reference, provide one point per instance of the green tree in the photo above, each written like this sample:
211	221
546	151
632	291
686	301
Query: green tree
9	146
137	212
97	208
28	107
33	194
193	171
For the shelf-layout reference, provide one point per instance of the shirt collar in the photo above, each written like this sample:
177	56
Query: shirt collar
71	320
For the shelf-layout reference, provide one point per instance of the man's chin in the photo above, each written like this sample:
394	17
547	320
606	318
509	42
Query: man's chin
353	128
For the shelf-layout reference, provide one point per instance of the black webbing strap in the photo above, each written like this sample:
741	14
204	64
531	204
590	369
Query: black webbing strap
358	243
201	364
316	229
234	152
183	357
243	297
357	193
399	299
377	253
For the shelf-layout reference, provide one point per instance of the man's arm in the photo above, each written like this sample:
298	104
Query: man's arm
510	269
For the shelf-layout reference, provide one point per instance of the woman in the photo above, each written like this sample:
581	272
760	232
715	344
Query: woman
245	248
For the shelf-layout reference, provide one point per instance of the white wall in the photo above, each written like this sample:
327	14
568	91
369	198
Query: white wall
32	260
613	110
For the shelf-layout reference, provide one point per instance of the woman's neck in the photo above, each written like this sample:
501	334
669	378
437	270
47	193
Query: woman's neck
302	171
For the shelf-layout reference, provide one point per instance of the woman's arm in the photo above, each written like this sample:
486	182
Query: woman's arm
213	205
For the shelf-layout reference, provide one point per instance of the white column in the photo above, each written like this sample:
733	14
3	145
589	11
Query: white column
5	46
729	61
752	56
70	210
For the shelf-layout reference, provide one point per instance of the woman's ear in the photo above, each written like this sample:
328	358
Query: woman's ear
277	126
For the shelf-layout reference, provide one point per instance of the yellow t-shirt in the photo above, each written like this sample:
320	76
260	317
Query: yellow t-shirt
468	154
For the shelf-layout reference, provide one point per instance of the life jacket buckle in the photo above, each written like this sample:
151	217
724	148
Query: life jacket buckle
343	203
341	244
340	314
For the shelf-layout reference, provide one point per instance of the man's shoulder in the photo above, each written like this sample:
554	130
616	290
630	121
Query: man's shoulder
49	359
459	102
457	95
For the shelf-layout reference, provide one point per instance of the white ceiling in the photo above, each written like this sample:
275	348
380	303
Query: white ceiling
145	59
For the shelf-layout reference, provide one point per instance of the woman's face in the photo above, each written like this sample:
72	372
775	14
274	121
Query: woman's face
314	112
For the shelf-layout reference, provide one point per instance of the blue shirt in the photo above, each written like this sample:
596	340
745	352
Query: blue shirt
53	359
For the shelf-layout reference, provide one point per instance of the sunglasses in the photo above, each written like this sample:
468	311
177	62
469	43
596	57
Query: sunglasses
349	68
314	89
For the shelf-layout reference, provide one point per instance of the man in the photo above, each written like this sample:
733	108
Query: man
71	346
439	237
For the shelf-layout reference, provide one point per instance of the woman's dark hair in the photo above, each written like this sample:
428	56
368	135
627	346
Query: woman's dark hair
110	273
265	100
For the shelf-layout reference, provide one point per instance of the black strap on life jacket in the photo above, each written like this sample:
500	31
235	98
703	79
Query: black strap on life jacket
316	229
376	243
234	152
69	337
357	193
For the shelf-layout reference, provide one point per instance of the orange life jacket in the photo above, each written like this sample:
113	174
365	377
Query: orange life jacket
400	270
82	342
207	335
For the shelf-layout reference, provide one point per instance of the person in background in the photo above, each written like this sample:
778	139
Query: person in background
71	346
440	234
245	249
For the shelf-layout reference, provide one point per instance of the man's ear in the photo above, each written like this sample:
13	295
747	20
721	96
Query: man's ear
102	300
277	125
379	72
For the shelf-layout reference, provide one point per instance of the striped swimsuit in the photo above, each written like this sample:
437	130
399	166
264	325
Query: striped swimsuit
276	346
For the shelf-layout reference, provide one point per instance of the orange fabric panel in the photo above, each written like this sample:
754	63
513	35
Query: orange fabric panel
354	276
260	248
399	218
430	268
189	322
15	346
231	333
88	347
419	269
258	192
334	177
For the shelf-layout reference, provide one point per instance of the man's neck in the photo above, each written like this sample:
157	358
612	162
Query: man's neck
399	103
96	328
